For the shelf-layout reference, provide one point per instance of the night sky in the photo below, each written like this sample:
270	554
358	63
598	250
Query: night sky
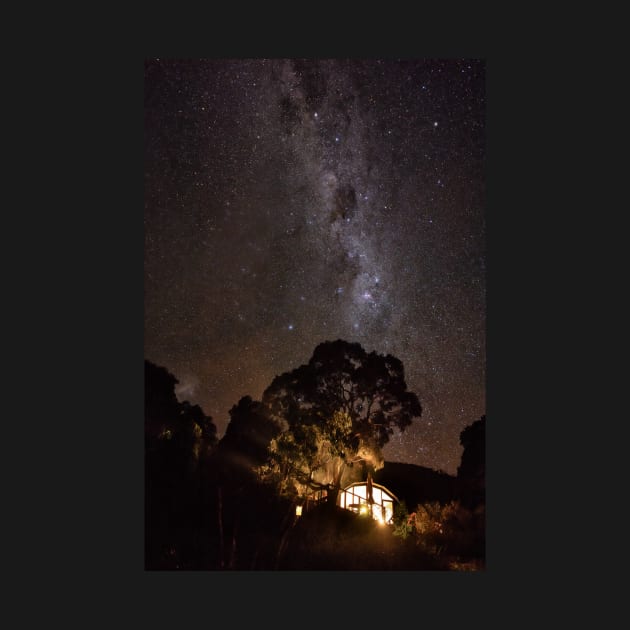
290	202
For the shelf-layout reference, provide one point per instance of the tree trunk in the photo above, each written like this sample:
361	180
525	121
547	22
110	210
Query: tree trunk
333	495
232	561
287	525
335	487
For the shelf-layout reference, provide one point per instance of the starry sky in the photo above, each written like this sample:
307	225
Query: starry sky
291	201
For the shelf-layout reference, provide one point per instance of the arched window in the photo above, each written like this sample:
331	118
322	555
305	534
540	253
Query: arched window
355	498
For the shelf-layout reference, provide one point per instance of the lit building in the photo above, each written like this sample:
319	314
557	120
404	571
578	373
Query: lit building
366	497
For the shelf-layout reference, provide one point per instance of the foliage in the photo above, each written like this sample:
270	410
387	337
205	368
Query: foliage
207	509
471	473
433	518
449	528
340	408
180	428
249	433
402	521
336	539
179	440
473	440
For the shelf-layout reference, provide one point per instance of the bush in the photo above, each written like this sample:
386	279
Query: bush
402	521
450	529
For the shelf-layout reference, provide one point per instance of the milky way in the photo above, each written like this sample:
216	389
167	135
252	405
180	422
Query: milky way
289	202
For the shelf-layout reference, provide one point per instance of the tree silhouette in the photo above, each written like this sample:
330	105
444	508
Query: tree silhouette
248	513
338	409
161	406
249	433
179	439
473	439
180	431
472	469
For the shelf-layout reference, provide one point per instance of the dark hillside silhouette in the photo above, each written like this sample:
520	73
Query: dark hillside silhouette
417	484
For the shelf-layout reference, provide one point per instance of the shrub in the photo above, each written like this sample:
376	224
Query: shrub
402	521
449	528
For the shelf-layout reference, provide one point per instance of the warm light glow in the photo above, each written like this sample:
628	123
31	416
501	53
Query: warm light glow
354	498
298	510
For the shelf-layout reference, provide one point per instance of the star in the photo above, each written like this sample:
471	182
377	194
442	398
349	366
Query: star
256	213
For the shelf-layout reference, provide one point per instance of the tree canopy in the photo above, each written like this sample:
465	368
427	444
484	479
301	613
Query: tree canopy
340	408
471	472
179	440
249	433
473	439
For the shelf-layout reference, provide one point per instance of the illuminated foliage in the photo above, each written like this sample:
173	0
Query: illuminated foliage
402	521
433	518
340	408
449	529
